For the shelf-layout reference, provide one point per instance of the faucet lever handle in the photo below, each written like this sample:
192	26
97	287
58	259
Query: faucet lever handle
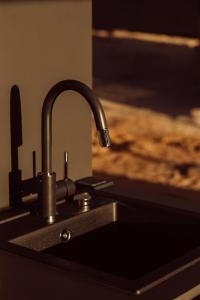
65	164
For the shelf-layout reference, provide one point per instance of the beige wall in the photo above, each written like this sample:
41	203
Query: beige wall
42	42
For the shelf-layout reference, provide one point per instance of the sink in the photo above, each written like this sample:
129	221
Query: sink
129	246
128	249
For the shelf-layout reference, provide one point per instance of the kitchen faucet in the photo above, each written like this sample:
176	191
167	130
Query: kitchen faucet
47	178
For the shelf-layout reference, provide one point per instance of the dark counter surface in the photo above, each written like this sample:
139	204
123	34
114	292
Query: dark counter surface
21	273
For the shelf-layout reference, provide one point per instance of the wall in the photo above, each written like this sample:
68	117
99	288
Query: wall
172	17
41	43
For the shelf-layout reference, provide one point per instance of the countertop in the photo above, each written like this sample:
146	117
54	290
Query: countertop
26	278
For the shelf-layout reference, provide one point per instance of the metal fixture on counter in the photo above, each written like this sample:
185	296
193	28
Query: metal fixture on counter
47	178
82	201
65	235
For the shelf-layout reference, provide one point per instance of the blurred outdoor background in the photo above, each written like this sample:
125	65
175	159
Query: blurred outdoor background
146	70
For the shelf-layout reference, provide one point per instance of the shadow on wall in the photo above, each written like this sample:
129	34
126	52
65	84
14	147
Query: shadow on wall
148	16
162	77
18	188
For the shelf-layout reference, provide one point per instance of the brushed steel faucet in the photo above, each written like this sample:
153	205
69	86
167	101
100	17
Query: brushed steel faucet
47	178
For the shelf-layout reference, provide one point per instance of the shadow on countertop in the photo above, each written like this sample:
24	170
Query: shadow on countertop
153	192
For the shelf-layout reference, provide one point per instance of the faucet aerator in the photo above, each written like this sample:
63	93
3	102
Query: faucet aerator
104	138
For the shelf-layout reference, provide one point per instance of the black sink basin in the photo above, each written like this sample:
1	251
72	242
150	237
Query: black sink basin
128	245
130	250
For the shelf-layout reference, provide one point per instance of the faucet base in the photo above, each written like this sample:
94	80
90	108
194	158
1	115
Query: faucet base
47	196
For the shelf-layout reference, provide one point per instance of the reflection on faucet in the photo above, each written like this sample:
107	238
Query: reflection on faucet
47	178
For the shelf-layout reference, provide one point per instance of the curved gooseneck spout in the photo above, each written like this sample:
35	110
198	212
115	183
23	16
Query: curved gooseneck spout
49	101
47	178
